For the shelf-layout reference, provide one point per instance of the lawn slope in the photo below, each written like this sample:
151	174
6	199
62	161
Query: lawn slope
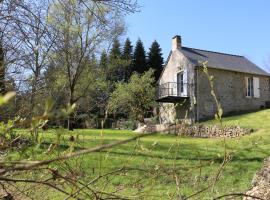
159	160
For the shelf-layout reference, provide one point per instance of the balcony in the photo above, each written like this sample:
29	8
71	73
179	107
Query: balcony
172	92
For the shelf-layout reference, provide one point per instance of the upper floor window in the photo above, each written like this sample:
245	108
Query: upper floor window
180	82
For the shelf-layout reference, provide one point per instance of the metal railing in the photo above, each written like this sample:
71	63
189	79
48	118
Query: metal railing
172	89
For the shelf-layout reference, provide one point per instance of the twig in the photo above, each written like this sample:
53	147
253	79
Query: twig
34	164
238	194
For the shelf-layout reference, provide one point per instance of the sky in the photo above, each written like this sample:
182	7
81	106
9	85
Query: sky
240	27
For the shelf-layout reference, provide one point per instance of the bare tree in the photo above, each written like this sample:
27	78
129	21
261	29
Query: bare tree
2	70
26	45
36	43
81	28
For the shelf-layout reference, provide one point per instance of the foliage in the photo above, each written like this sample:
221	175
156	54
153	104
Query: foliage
161	160
50	49
155	59
127	56
134	97
139	58
116	71
129	125
152	159
103	64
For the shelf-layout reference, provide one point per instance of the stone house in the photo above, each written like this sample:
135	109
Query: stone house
184	90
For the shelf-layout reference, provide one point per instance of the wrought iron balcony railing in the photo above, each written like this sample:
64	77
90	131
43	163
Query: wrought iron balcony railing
172	89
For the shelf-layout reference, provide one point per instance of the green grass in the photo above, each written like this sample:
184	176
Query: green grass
195	161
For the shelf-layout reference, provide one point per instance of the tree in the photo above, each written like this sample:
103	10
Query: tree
80	31
127	56
37	45
115	63
2	71
155	59
135	97
27	42
103	63
6	19
139	60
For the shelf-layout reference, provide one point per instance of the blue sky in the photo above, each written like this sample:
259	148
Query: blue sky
239	27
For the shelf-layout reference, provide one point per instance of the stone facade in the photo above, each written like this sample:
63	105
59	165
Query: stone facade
230	90
170	112
199	130
229	87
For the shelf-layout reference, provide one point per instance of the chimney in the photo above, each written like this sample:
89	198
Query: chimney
176	42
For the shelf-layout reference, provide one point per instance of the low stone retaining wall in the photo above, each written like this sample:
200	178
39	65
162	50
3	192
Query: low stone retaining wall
261	183
200	130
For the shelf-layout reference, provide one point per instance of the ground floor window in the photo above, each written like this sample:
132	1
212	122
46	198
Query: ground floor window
250	88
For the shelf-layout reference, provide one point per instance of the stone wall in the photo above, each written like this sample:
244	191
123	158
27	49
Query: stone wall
200	130
261	183
230	90
177	62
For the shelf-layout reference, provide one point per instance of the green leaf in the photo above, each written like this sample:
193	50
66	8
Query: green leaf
4	99
48	105
220	112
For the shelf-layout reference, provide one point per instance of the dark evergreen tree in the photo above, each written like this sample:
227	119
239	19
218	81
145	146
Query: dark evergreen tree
139	60
103	64
127	57
155	59
115	52
116	71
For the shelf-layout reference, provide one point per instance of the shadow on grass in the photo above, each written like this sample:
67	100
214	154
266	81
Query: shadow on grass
189	152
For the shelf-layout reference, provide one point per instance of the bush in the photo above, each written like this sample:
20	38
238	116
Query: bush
130	125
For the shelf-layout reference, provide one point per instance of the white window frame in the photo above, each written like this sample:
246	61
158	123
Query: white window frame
183	92
252	87
249	87
256	85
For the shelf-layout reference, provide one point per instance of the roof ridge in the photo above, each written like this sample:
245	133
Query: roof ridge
214	52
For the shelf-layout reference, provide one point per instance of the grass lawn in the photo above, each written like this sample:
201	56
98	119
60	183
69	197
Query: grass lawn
157	162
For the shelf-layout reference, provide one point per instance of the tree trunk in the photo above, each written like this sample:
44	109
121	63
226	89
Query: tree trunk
70	122
32	98
71	115
2	71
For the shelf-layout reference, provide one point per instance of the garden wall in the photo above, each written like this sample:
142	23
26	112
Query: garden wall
200	130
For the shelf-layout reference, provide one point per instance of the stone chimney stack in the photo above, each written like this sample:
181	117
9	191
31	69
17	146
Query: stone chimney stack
176	42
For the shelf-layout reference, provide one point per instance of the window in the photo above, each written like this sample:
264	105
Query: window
180	83
250	88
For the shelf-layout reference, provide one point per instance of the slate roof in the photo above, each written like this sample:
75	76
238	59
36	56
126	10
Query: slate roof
222	61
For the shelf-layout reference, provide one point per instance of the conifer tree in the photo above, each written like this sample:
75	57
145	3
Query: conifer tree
127	57
115	52
155	59
103	64
115	63
139	60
